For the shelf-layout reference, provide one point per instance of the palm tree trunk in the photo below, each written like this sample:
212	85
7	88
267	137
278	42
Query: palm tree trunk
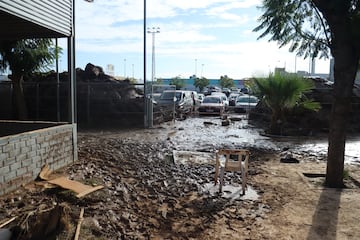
18	96
274	124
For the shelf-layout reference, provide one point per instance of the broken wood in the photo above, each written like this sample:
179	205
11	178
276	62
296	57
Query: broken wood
81	219
7	222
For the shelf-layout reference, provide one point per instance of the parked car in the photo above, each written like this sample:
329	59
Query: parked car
245	90
200	97
211	89
212	104
226	91
232	98
223	98
245	103
182	99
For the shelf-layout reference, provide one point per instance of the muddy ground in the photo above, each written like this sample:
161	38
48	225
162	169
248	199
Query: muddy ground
147	195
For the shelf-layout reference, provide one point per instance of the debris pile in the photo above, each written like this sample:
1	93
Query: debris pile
145	195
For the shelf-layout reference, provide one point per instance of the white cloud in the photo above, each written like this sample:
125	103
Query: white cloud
115	27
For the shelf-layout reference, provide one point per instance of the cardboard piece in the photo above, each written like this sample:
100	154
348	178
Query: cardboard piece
45	172
77	187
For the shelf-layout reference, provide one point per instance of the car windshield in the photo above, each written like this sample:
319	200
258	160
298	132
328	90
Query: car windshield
246	100
211	100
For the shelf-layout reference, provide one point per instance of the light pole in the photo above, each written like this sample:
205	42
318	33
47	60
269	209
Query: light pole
132	66
153	31
202	69
195	67
124	67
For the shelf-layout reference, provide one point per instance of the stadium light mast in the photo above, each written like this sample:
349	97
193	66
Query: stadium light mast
153	31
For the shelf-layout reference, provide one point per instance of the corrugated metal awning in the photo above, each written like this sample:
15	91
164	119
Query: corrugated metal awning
21	19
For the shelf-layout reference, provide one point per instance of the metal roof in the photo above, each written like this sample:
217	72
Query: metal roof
35	18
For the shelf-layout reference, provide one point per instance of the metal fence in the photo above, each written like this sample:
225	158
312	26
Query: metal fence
97	104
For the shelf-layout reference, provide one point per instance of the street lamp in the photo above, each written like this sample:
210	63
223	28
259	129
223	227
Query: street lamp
132	67
195	67
124	67
153	31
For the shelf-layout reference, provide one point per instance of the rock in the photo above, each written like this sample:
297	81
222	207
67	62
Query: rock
225	122
289	159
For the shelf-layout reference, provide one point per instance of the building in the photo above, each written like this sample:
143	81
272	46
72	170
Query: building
26	146
189	83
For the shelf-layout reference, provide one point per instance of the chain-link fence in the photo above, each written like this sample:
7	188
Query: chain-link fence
97	104
164	103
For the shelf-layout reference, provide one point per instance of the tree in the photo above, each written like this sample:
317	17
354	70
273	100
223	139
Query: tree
23	57
226	82
201	83
316	28
283	92
159	81
178	82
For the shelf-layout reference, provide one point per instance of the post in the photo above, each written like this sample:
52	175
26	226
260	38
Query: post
146	116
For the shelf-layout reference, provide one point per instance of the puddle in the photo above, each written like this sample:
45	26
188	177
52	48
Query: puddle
205	134
231	192
191	157
193	135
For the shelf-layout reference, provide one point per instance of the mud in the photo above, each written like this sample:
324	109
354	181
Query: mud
148	195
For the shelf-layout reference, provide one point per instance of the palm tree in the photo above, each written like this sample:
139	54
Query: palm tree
282	92
24	57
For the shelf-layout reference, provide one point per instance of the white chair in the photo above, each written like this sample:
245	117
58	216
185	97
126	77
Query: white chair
235	160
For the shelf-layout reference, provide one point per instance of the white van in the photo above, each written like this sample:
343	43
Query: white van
183	99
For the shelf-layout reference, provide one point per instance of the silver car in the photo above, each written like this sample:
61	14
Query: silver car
245	103
212	105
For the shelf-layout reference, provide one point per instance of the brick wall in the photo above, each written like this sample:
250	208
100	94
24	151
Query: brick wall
23	155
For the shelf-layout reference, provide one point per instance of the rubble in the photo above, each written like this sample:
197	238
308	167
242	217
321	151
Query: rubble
146	194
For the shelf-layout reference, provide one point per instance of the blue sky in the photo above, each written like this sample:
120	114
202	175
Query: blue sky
208	37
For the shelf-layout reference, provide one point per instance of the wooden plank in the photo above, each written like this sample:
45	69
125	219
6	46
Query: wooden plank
7	222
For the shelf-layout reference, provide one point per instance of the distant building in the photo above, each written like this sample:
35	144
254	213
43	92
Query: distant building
331	77
110	70
305	73
189	83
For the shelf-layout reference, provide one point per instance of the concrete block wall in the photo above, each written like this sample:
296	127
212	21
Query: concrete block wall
23	155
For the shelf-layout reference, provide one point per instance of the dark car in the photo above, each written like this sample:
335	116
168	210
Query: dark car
226	91
211	89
